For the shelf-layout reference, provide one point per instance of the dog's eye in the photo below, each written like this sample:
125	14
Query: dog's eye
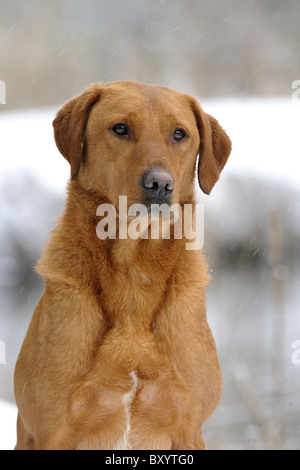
179	134
120	129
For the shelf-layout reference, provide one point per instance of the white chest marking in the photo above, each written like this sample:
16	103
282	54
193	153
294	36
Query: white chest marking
127	399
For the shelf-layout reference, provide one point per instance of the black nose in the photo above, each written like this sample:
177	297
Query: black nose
157	183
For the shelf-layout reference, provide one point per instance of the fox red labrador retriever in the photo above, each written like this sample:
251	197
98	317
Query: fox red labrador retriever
119	354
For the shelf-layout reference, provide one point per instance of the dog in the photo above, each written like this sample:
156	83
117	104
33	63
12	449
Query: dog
119	354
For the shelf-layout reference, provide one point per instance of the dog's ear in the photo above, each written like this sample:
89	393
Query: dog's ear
215	148
70	123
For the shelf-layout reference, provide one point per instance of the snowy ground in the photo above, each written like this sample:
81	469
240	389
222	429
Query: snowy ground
266	156
27	146
265	136
8	418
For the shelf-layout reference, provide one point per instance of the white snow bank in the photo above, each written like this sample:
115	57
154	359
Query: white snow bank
27	146
262	173
8	422
265	136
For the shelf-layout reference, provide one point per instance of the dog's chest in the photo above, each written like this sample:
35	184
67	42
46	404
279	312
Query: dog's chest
132	293
121	410
131	378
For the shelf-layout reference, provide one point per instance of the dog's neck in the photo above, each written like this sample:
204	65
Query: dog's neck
117	271
78	226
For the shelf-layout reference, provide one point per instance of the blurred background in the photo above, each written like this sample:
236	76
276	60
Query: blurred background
241	58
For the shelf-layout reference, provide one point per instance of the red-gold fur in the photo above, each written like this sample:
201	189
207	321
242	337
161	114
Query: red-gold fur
119	353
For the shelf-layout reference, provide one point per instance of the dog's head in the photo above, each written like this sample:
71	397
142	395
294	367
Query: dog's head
140	141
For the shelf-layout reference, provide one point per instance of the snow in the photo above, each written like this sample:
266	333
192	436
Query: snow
262	172
265	136
27	145
8	421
